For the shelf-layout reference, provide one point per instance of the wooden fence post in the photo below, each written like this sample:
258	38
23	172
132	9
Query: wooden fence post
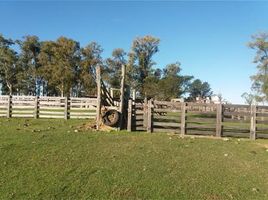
98	80
183	118
66	108
122	97
149	116
9	106
129	118
219	120
36	107
145	113
253	122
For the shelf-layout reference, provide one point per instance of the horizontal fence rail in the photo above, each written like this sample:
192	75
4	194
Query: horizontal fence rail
219	120
48	107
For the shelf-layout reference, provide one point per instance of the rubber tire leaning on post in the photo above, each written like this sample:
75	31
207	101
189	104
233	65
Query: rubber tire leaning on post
107	120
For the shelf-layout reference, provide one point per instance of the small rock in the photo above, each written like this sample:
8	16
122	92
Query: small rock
226	154
238	140
76	131
255	189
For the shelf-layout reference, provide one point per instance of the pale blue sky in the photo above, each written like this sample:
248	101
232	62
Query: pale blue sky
208	38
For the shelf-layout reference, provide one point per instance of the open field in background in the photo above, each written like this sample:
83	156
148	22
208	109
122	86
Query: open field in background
48	159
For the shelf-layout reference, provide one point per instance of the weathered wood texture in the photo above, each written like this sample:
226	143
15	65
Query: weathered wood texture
201	119
47	107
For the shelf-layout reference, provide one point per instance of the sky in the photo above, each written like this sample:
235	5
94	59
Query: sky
208	38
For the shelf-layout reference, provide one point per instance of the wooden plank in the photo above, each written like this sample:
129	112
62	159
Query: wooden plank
36	107
208	126
219	121
149	119
93	109
9	106
236	120
261	128
22	115
166	118
50	113
253	122
156	110
199	119
22	112
122	95
22	107
51	108
51	116
82	117
82	114
226	113
232	127
262	135
261	121
167	124
129	118
98	79
183	119
235	106
201	104
262	114
201	112
66	108
145	113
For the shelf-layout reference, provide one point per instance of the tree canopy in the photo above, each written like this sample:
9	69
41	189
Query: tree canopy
63	67
260	80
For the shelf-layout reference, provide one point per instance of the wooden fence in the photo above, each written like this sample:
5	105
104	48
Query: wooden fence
47	107
199	119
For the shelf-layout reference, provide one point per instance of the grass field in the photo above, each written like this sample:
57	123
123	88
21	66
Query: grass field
50	159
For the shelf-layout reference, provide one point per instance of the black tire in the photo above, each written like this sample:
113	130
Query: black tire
111	118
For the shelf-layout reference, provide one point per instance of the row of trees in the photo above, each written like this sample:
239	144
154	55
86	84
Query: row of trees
63	67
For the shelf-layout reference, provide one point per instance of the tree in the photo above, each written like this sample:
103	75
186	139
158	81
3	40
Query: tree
114	66
260	80
249	98
166	84
90	58
61	59
199	89
142	51
8	64
172	84
29	79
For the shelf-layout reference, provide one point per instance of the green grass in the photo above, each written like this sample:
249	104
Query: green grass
47	159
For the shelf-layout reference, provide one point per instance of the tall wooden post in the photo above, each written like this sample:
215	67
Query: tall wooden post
129	118
150	116
253	110
122	95
98	80
145	113
66	108
9	106
183	118
219	120
36	107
